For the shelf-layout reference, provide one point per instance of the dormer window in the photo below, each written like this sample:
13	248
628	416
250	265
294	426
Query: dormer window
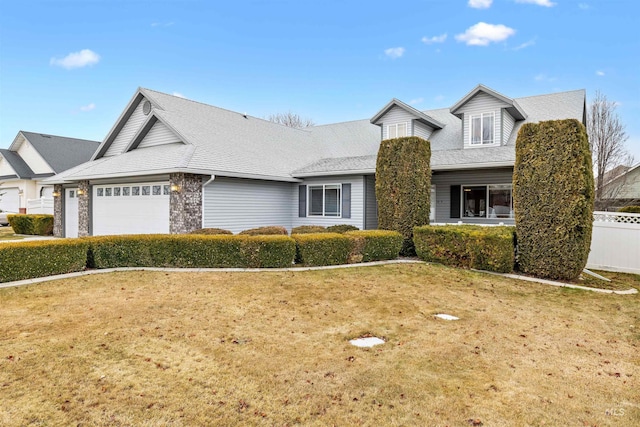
482	129
397	130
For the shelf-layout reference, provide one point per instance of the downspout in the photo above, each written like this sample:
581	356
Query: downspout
203	186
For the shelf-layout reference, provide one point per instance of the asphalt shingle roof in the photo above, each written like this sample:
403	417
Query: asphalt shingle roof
20	167
60	152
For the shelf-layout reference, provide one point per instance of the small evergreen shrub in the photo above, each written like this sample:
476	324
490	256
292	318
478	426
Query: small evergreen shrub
322	248
467	246
376	245
265	231
630	209
553	193
341	228
211	231
403	186
268	251
34	224
26	260
307	229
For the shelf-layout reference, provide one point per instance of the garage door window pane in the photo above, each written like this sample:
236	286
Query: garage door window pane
125	191
100	192
116	191
146	190
165	190
135	191
107	192
157	190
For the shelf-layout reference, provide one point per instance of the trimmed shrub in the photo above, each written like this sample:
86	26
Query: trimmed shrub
307	229
376	245
268	251
211	231
322	248
630	209
341	228
468	246
26	260
34	224
553	198
265	231
403	186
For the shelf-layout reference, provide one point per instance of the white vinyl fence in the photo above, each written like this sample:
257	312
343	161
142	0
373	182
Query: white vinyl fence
615	244
43	205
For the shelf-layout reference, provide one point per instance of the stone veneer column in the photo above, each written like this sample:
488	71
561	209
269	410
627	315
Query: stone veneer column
84	208
185	209
57	210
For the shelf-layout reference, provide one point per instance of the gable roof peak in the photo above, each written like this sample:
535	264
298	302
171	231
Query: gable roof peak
514	109
419	115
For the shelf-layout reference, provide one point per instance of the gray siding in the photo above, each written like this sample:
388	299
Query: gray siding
482	103
371	204
239	204
357	202
444	180
128	131
508	124
422	130
159	134
396	115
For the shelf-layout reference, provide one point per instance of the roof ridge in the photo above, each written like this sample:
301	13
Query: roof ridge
552	93
57	136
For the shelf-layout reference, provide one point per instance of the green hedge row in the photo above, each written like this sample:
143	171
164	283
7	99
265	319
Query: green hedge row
40	225
630	209
22	260
468	246
26	260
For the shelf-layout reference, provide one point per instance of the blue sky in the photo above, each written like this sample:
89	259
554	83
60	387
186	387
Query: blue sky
70	67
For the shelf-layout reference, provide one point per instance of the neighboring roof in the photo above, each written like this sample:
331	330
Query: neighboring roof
19	166
421	116
514	109
61	152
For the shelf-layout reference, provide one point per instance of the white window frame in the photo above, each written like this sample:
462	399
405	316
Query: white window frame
324	189
486	210
396	127
493	125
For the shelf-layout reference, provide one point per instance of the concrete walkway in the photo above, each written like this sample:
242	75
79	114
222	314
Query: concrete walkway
331	267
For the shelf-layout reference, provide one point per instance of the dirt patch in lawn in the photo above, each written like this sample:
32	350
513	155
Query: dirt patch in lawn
155	348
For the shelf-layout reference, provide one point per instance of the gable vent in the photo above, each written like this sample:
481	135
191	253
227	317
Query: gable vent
146	108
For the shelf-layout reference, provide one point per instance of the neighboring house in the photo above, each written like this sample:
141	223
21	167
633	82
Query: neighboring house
171	165
30	159
621	188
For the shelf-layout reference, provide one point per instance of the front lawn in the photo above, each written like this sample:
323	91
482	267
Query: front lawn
158	348
6	233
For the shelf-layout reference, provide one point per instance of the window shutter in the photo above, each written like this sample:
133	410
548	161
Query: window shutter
346	200
455	201
302	201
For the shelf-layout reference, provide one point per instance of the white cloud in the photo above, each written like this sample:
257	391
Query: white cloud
394	52
525	45
584	6
545	3
480	4
599	73
179	95
416	101
544	78
482	34
439	98
89	107
435	39
79	59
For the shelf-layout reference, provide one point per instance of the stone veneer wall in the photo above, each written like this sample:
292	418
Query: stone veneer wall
57	211
84	209
185	208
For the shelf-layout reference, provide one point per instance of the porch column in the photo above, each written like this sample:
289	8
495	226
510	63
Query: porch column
84	209
58	210
185	203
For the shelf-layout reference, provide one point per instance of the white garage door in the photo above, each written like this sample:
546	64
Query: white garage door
9	200
140	208
71	212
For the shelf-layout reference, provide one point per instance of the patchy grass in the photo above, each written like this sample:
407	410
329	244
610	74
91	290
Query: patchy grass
6	233
155	348
619	281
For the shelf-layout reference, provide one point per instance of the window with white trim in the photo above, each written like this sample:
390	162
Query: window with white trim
487	201
325	200
397	130
482	129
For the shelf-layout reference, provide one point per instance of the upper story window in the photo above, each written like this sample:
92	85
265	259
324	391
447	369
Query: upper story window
482	129
397	130
325	200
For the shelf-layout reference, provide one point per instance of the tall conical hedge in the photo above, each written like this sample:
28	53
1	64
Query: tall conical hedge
553	198
403	186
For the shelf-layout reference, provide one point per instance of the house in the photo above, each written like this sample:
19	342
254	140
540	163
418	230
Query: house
172	165
30	159
621	188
